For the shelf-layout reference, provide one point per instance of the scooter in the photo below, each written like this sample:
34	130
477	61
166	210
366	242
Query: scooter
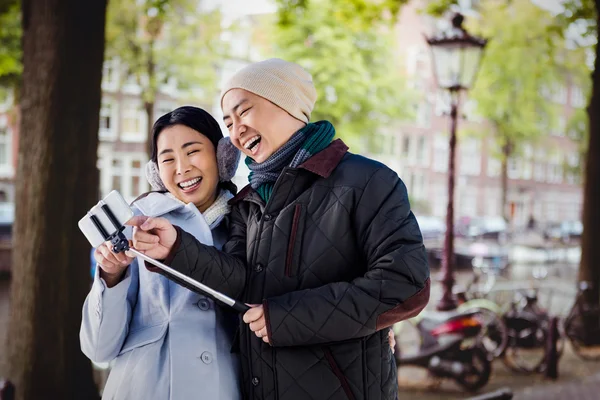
450	349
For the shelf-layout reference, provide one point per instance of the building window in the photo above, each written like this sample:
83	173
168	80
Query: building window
470	157
467	203
573	173
494	167
424	114
539	171
123	172
527	169
417	61
422	151
552	209
514	168
108	118
440	153
492	202
162	108
134	125
110	75
6	167
408	154
440	200
555	170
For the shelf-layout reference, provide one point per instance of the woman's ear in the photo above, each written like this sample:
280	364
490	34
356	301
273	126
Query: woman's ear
228	158
153	176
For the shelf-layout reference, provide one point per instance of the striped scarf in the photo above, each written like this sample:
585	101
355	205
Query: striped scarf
303	144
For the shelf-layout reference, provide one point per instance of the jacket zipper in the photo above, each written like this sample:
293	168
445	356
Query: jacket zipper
290	253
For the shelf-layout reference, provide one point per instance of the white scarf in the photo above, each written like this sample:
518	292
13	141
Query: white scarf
217	210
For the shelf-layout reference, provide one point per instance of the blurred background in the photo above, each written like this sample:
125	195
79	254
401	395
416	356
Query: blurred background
523	128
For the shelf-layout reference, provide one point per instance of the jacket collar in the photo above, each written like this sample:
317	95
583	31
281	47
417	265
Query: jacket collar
323	163
156	203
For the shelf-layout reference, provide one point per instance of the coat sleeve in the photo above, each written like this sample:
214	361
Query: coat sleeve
224	271
395	286
106	315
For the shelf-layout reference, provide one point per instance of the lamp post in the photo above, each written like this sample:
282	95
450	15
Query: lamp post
456	56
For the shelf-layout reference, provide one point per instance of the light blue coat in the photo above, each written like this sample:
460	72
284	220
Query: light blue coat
165	341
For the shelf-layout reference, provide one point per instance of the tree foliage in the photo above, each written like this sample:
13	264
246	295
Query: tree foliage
348	48
158	40
10	49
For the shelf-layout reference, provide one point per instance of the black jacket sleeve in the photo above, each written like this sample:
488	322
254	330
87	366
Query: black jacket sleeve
224	271
394	287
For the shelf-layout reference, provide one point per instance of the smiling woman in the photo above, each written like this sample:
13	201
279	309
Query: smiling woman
185	143
187	163
165	341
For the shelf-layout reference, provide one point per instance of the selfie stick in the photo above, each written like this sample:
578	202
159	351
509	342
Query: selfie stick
120	243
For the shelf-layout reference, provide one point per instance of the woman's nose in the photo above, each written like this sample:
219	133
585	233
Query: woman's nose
183	166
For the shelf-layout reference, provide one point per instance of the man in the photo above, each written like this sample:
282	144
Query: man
322	242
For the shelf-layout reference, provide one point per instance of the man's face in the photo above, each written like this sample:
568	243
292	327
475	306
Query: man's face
256	126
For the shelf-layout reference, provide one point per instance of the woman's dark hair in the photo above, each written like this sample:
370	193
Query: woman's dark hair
196	119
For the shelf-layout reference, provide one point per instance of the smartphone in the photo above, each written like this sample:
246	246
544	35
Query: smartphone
98	225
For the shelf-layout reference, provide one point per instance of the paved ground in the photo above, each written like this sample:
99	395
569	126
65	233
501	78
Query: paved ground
577	379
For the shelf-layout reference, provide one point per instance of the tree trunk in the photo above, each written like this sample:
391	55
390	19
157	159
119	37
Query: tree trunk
149	107
151	96
589	268
57	182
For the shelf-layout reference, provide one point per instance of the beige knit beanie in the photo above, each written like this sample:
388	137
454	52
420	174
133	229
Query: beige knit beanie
283	83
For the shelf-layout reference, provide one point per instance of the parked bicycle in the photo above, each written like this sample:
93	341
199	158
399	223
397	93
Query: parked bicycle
582	324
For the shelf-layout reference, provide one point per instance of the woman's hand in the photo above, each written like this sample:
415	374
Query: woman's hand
112	265
154	237
255	317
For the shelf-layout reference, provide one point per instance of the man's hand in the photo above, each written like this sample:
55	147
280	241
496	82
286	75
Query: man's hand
392	340
153	236
255	317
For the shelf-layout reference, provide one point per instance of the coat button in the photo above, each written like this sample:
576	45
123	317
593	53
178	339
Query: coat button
203	304
267	217
258	268
255	381
206	357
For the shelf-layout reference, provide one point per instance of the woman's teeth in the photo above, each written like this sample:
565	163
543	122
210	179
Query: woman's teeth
190	183
252	142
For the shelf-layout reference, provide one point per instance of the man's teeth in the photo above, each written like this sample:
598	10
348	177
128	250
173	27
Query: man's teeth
189	183
251	142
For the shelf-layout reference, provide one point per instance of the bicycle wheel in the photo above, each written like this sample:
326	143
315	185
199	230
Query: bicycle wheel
525	351
494	333
585	346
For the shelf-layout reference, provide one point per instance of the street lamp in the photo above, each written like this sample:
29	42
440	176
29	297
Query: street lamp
455	56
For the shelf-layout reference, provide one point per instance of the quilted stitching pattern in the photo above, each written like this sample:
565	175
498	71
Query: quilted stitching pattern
361	254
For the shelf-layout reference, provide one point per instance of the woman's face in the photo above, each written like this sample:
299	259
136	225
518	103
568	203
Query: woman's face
187	164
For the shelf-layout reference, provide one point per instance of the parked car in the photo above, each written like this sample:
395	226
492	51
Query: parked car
564	231
432	228
494	228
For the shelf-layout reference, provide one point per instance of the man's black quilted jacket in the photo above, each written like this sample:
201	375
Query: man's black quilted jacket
336	257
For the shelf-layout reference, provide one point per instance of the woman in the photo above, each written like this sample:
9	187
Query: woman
165	341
